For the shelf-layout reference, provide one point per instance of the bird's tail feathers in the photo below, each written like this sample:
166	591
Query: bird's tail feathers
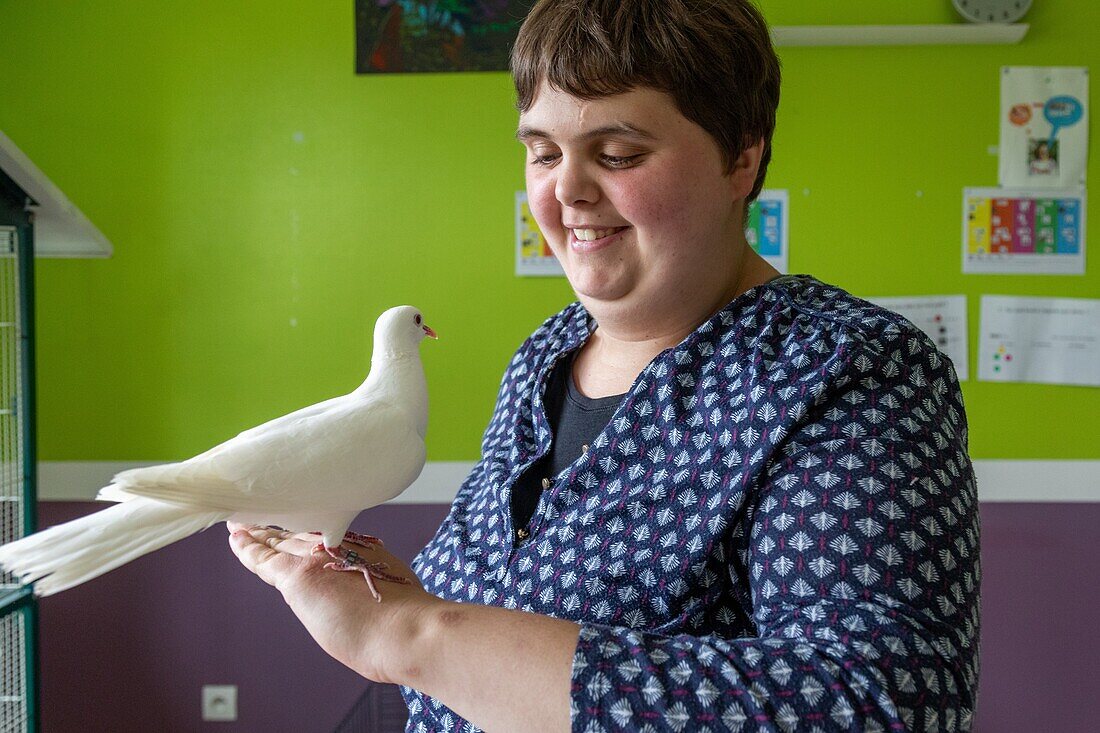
113	492
69	554
158	473
116	490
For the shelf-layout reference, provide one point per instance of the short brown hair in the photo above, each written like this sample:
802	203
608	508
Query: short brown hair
713	57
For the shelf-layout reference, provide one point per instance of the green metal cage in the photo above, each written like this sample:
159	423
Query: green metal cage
18	479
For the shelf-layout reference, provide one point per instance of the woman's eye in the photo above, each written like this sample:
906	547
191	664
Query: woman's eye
611	161
620	161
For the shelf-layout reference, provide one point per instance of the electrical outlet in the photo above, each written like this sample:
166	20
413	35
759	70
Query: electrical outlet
219	702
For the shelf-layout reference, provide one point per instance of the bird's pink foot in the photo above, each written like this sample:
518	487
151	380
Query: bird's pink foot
350	560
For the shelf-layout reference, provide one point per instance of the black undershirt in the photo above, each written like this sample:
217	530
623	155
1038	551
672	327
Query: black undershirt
575	421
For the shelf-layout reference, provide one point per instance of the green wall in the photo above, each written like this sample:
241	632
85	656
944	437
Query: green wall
265	204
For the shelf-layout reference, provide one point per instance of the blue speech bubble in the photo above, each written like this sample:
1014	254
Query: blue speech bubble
1062	112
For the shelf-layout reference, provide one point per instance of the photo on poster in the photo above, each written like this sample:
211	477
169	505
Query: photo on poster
1023	231
1044	126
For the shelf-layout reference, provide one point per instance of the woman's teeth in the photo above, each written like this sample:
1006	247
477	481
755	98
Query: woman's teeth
591	235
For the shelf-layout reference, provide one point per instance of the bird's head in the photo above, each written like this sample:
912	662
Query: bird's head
400	331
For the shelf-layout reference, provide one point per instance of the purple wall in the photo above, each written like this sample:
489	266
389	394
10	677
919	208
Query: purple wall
1040	644
131	650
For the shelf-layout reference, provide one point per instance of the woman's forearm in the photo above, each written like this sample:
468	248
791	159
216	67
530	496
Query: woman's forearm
500	669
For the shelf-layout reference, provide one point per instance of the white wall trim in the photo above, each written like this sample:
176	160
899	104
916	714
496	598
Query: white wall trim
80	480
1077	481
998	480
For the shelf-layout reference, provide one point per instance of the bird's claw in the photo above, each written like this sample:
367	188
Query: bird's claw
350	560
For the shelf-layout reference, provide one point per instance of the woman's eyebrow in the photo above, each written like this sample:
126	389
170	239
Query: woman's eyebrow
618	128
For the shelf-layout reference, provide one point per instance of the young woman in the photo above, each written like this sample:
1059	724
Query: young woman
710	497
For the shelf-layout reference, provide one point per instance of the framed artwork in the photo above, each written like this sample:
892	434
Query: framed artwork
393	36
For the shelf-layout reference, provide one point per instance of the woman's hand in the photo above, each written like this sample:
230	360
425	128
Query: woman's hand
337	608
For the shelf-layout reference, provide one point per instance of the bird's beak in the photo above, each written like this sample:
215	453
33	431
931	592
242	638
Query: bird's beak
429	332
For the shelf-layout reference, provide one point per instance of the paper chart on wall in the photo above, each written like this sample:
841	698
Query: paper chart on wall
533	255
1045	340
766	227
1044	126
1023	231
943	318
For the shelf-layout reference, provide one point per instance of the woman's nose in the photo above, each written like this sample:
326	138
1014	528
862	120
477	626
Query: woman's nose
575	184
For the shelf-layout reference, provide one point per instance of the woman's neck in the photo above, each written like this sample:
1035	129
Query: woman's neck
626	340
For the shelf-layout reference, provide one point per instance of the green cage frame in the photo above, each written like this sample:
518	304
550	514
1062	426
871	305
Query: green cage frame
20	604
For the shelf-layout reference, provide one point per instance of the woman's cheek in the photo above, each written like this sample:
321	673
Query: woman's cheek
544	207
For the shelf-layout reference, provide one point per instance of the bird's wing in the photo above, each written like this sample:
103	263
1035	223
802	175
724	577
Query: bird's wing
356	453
277	424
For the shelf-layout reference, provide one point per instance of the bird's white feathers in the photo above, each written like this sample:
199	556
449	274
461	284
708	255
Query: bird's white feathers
311	470
60	557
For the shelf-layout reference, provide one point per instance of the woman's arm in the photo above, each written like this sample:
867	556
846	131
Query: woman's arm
501	669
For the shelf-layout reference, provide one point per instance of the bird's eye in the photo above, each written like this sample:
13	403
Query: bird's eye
418	319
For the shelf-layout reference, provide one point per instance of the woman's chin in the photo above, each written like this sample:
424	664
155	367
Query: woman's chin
597	287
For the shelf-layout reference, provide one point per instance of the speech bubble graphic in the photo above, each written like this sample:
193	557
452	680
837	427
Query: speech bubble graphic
1060	112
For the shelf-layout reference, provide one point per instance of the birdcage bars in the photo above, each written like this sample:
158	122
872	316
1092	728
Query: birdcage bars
18	614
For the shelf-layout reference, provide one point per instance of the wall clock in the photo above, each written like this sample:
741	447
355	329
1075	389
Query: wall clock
992	11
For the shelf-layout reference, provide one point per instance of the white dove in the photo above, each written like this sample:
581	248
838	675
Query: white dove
311	470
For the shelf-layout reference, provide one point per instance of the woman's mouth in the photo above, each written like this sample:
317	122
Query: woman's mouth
585	239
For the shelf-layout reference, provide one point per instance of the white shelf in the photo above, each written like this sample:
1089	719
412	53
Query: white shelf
942	34
60	228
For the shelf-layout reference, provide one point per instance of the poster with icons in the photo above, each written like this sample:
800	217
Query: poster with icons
1023	231
943	318
766	227
533	255
1044	126
1045	340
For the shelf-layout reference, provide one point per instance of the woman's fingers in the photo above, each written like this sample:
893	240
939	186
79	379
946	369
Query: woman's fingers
302	544
271	564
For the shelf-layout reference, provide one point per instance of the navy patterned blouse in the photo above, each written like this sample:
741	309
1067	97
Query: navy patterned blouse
777	530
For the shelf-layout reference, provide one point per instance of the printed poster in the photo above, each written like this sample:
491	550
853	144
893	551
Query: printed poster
766	227
1023	232
1044	126
943	318
533	255
1046	340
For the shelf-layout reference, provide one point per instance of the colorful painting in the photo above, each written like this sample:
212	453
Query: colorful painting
445	35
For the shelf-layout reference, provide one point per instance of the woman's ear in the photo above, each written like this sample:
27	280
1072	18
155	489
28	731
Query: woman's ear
745	168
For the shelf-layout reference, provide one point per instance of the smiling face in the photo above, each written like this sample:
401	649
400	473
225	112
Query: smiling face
634	200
